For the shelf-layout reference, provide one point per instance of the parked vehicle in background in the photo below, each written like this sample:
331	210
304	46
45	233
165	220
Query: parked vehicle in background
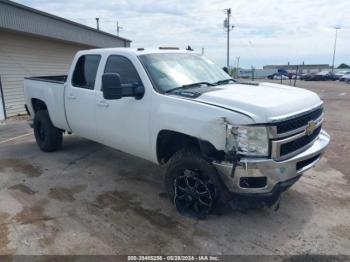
221	141
303	76
307	77
280	77
277	76
272	76
340	74
321	76
344	78
282	71
325	76
293	76
280	74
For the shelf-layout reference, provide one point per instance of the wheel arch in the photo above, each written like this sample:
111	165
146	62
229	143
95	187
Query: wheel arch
169	142
38	104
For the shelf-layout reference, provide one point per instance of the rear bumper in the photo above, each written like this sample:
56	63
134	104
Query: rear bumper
274	173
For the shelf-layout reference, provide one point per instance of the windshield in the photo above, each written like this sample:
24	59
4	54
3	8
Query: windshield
173	70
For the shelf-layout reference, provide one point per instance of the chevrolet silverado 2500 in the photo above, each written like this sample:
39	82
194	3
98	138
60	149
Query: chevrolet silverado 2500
222	141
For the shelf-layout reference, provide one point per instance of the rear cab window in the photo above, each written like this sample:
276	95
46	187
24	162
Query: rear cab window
85	71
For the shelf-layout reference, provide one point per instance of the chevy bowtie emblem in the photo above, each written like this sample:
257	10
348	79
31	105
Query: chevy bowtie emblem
311	126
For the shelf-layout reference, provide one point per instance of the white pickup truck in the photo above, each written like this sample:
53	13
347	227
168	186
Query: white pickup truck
222	141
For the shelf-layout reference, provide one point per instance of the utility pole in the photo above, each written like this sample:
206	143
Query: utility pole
237	65
335	45
118	28
98	23
228	28
296	75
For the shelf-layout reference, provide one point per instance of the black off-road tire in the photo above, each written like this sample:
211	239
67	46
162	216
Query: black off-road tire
191	159
48	137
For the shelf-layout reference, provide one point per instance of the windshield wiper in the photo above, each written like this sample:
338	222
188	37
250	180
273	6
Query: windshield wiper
225	81
190	85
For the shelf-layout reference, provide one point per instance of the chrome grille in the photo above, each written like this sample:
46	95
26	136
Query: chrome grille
287	142
294	145
295	123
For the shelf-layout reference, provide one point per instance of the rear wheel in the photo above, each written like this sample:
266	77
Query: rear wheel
48	137
193	184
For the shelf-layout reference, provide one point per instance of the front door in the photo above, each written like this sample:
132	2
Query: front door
124	123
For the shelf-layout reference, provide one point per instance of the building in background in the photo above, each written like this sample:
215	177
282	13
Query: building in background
254	73
34	43
303	68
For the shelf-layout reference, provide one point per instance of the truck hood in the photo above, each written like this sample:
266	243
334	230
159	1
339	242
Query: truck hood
263	102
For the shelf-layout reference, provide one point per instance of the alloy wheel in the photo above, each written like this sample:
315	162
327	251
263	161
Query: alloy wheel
194	194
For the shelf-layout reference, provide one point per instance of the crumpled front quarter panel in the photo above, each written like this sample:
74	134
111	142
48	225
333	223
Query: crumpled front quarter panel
202	121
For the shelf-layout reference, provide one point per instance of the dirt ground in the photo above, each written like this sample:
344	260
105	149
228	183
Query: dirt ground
91	199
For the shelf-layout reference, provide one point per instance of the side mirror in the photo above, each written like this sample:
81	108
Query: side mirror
111	86
113	89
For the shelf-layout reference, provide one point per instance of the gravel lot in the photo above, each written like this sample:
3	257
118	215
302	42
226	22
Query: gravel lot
91	199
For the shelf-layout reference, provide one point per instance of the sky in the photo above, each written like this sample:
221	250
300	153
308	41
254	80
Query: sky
265	32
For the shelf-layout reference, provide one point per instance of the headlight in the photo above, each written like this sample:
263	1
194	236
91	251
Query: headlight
248	140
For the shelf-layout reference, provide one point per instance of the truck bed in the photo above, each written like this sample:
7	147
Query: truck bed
50	90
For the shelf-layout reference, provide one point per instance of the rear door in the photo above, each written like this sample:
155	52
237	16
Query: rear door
80	96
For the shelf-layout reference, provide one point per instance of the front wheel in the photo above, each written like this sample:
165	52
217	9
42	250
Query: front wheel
193	185
48	137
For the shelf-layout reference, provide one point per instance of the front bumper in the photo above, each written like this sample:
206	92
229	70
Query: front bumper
272	171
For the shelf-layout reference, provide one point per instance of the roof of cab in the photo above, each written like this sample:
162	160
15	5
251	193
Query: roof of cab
134	51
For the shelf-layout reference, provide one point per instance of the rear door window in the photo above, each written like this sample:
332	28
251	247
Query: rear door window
85	71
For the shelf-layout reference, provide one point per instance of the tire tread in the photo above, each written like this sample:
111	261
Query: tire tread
192	154
54	136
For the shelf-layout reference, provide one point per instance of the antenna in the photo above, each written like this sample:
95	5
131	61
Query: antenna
118	28
97	23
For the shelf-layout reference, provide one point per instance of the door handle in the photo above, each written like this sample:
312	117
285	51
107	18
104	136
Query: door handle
71	97
103	103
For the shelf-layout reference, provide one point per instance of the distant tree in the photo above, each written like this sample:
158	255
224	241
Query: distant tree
343	65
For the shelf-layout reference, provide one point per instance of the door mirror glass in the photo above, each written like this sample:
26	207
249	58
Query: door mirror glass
112	88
